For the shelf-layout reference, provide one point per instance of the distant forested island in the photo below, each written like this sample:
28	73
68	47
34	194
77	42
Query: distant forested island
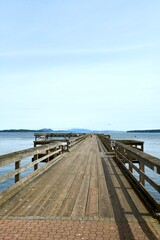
145	131
27	130
49	130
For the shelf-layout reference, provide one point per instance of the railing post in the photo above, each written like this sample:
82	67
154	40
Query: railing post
47	152
141	167
17	166
142	147
36	165
130	166
67	145
116	151
62	147
123	154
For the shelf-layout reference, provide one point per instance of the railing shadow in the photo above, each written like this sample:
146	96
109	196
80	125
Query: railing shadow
118	210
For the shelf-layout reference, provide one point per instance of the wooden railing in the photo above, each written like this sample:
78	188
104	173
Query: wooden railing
127	154
48	136
46	153
110	143
135	163
133	143
76	140
107	142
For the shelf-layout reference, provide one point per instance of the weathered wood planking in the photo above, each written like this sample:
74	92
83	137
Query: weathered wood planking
85	183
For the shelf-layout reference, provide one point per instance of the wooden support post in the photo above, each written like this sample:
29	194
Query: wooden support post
36	165
142	147
141	167
130	166
67	145
123	154
62	147
117	152
47	152
17	166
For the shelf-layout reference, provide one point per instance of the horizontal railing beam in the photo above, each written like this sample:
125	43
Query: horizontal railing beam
19	155
21	169
148	160
127	154
45	153
145	177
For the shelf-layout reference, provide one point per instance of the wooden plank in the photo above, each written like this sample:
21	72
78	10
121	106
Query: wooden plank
81	201
86	182
105	206
138	203
130	202
69	201
61	189
58	179
136	200
92	203
34	192
122	205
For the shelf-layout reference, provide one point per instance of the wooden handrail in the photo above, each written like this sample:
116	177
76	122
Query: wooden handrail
76	140
45	153
23	168
107	142
19	155
131	152
148	160
127	154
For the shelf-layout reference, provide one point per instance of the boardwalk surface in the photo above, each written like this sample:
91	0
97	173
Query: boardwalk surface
83	196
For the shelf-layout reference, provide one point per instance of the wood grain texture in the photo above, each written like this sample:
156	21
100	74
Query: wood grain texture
86	182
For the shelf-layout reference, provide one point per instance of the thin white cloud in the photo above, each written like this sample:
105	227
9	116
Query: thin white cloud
88	51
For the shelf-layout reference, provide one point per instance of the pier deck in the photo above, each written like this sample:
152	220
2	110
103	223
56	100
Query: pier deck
83	196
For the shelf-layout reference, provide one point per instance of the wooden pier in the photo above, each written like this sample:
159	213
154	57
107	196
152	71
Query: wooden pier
83	193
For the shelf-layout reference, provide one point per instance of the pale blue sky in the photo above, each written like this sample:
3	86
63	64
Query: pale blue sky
80	63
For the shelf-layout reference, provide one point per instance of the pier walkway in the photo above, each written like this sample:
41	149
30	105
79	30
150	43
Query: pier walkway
83	196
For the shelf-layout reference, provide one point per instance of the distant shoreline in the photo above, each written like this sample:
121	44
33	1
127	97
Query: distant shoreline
77	130
26	130
145	131
49	130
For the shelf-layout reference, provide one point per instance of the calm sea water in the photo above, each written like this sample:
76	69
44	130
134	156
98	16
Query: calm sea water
10	142
151	141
